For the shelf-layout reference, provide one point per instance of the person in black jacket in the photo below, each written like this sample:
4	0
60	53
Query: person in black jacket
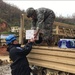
17	54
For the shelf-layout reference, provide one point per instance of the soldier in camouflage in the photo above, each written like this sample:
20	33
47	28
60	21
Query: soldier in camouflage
42	21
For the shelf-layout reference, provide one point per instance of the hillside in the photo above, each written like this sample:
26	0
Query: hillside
9	13
12	14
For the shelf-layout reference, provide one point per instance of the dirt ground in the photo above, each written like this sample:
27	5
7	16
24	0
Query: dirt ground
5	68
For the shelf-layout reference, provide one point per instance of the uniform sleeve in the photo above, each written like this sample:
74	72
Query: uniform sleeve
25	50
33	24
40	20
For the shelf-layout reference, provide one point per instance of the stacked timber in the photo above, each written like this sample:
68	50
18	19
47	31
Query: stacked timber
53	58
62	29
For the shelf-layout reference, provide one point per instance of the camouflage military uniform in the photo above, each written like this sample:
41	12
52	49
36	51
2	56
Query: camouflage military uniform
44	22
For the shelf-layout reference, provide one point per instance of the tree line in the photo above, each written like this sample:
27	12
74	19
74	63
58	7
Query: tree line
12	14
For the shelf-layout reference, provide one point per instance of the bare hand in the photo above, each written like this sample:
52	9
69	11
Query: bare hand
31	40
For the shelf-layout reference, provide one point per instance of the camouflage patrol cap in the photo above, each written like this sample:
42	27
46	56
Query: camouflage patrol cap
29	12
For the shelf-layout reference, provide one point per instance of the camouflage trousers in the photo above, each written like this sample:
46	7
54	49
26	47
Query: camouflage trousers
46	34
47	29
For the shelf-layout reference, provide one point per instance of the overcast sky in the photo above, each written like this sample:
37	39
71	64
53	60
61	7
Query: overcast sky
64	8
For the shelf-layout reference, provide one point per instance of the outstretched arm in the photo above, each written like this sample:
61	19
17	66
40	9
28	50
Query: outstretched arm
26	49
38	29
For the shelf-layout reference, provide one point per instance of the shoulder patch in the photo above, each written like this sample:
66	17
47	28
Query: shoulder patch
19	48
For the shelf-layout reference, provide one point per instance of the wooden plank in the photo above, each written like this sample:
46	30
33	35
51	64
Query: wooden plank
3	58
52	65
63	29
64	25
50	58
53	58
56	53
54	48
63	35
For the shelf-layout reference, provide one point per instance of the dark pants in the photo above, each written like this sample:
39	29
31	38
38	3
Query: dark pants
20	70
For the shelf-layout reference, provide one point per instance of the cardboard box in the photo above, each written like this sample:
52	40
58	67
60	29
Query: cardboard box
30	34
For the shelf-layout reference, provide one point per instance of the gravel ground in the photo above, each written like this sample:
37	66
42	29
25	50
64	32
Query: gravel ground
5	70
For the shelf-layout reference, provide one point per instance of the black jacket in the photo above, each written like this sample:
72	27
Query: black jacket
20	65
